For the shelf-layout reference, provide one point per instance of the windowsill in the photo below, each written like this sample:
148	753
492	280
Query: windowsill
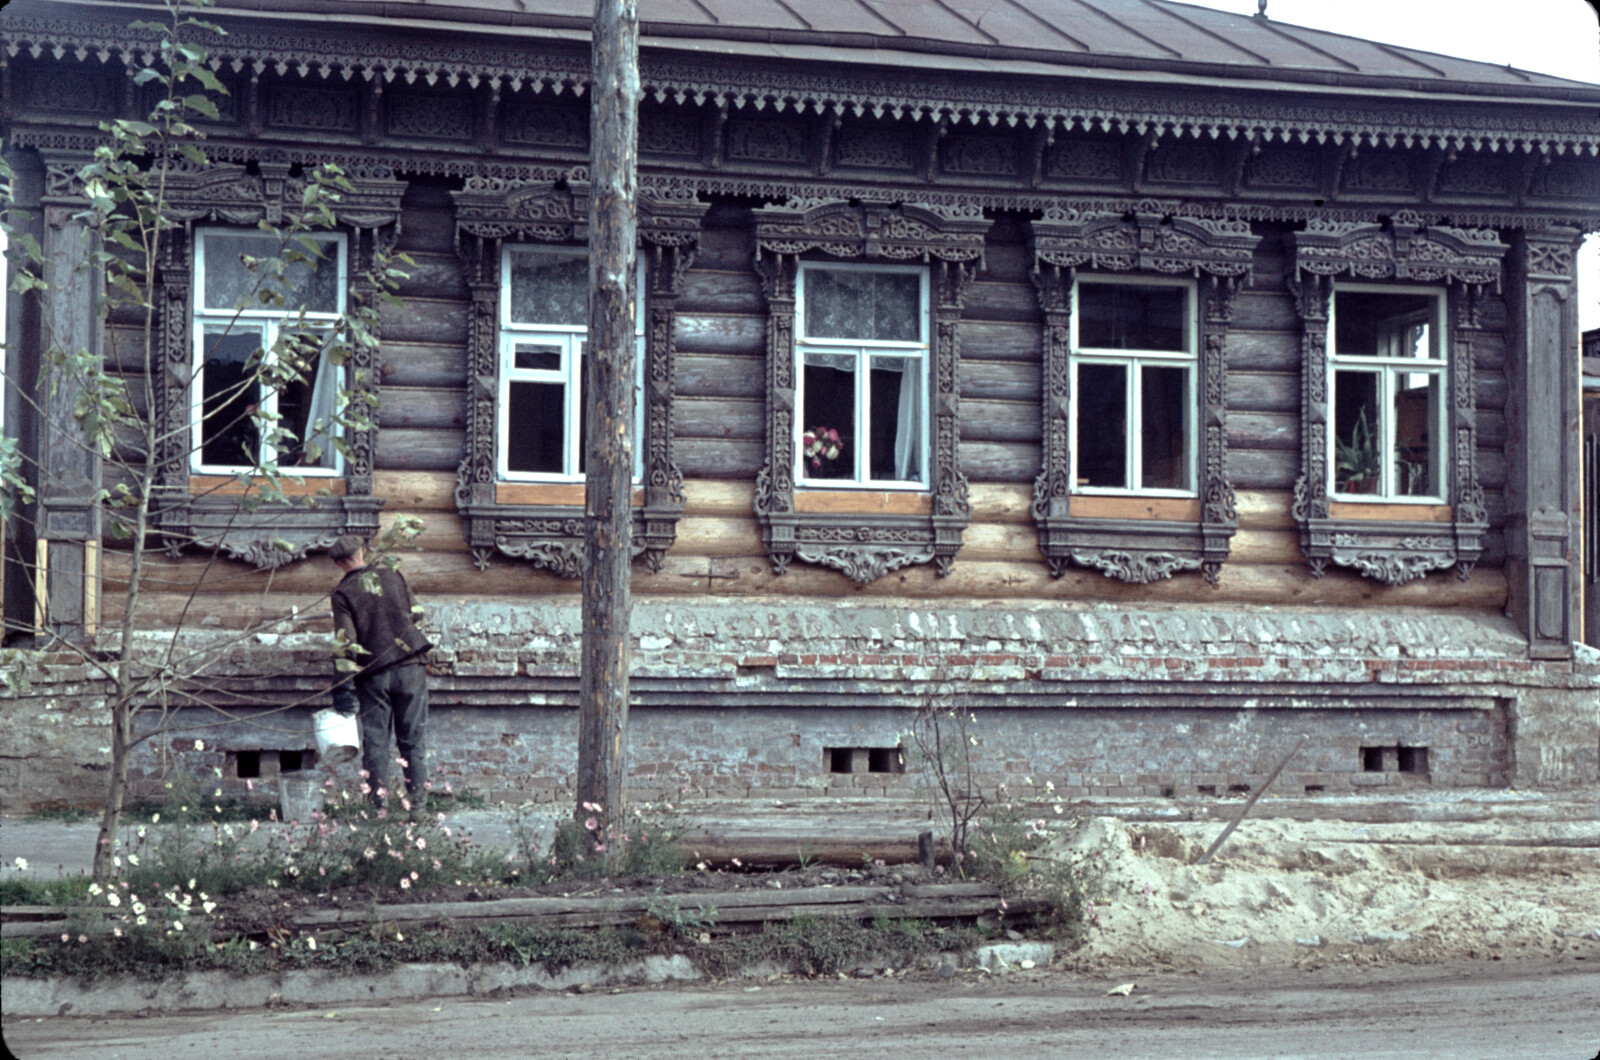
229	485
1393	509
1143	506
549	493
863	501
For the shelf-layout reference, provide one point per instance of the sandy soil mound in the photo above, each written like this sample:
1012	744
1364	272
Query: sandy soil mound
1306	893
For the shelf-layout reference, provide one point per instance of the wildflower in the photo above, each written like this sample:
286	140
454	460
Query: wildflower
249	785
591	824
199	745
398	937
209	907
422	844
599	848
116	859
94	888
142	919
116	931
137	906
369	853
65	937
21	864
311	943
405	885
114	898
133	859
436	865
405	802
154	818
447	788
738	864
401	762
413	875
177	925
141	831
83	938
192	883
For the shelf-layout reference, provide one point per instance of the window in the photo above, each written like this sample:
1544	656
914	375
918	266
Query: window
1387	363
543	335
1133	363
244	319
862	348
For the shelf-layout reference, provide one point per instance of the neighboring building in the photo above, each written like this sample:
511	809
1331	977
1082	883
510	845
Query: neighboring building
1200	380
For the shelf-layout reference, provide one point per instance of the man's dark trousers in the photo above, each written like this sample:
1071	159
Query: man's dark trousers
395	701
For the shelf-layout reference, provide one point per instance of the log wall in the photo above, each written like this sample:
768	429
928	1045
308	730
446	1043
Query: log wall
719	423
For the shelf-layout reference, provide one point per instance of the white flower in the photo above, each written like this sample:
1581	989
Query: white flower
177	925
114	898
154	818
311	943
199	745
133	859
208	907
142	919
138	907
192	884
94	888
21	864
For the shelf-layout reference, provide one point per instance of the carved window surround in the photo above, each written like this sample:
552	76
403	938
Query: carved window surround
369	213
869	539
1122	539
540	523
1404	541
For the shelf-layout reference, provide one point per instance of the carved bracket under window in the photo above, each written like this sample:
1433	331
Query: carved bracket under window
865	545
489	212
1137	549
268	535
1391	550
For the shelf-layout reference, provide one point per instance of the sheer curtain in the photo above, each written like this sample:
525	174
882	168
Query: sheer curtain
908	429
319	424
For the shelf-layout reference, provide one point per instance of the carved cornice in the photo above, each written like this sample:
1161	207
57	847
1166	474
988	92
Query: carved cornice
1485	124
490	211
1220	253
1468	260
950	237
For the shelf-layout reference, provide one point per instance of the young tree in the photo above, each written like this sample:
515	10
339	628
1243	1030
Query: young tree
107	414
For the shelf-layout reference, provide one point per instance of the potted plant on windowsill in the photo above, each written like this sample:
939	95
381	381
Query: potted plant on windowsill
821	446
1358	462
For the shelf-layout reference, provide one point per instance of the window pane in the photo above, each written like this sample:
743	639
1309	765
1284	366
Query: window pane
1357	433
1418	405
827	448
230	392
549	289
536	358
1379	324
228	280
1102	441
868	306
535	428
896	443
1164	427
308	404
1121	316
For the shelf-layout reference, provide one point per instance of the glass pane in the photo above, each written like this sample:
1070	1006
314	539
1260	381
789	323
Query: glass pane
897	421
1378	324
1102	441
1121	316
308	402
1357	433
549	289
827	448
230	392
231	284
537	358
1164	428
535	428
869	306
1418	406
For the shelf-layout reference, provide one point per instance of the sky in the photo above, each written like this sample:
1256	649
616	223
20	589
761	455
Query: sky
1560	37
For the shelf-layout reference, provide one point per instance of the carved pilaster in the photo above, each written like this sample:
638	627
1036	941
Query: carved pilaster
1543	454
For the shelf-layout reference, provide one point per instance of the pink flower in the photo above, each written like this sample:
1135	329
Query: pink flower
599	848
591	824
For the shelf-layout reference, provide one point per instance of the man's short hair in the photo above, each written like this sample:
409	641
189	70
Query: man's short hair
347	546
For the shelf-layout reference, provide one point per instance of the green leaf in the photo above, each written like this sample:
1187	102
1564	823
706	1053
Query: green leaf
202	105
147	75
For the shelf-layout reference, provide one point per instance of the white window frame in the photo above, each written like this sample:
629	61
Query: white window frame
269	321
1387	369
1132	362
572	340
864	351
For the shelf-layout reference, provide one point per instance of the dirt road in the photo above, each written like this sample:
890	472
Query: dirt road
1538	1010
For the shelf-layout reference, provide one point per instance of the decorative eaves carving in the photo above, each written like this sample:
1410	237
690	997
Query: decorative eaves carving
1220	253
1467	260
951	239
490	211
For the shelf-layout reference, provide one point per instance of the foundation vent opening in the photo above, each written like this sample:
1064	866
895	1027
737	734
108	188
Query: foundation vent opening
1238	789
1206	789
1372	760
1414	760
247	764
864	759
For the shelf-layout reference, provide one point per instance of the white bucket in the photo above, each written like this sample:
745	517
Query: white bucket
338	737
299	796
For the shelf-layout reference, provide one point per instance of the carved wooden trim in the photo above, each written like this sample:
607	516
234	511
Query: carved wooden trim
490	211
868	543
1392	550
370	211
1219	253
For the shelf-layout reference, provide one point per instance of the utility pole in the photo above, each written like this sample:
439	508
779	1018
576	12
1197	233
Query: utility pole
608	466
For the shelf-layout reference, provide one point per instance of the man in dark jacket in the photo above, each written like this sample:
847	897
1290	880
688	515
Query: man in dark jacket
374	621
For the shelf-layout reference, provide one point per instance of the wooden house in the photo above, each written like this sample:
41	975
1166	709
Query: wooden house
1157	383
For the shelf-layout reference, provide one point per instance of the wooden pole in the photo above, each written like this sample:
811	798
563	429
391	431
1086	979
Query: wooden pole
1228	831
608	467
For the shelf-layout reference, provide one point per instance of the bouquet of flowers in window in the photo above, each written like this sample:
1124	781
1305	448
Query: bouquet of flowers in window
819	444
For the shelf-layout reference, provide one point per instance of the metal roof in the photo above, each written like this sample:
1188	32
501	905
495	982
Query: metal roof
1161	34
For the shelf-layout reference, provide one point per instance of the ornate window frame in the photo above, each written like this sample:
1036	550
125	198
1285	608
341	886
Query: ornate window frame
1119	539
368	215
865	545
519	523
1393	550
